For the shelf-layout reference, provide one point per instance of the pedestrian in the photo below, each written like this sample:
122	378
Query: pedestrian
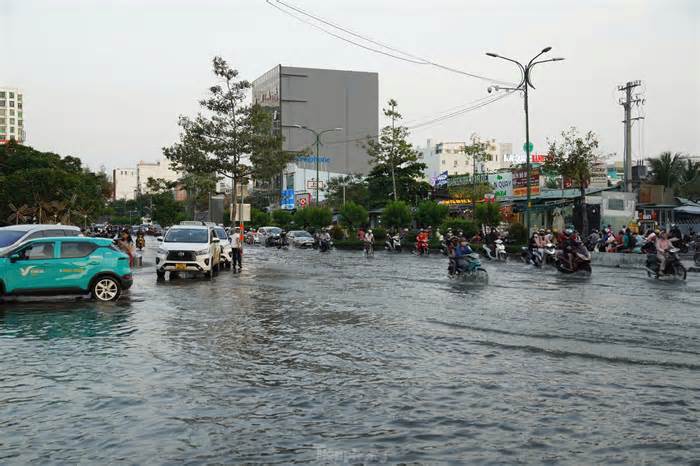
236	251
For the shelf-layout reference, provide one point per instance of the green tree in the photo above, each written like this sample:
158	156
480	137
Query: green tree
690	171
319	217
348	188
282	218
396	214
353	215
430	213
666	169
232	139
467	227
392	153
572	157
488	213
259	218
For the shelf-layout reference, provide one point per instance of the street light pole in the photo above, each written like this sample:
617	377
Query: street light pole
525	83
317	135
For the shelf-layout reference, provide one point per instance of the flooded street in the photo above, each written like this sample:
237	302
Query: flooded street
313	358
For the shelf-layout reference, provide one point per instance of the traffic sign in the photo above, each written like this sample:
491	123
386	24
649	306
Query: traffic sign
525	146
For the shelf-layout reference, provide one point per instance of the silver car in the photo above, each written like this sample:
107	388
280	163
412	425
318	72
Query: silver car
16	234
300	239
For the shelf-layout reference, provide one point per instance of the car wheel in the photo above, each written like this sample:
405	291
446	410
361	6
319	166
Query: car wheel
160	275
106	289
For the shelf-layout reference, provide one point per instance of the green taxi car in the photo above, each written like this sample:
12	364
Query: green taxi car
68	265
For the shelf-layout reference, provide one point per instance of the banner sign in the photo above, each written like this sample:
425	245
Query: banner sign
287	199
502	184
599	174
312	159
466	180
441	180
302	200
520	182
311	184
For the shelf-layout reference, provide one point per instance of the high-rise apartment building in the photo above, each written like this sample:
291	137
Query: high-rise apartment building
320	100
11	115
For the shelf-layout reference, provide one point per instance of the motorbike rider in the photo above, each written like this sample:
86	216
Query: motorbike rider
663	244
140	239
422	240
568	244
461	251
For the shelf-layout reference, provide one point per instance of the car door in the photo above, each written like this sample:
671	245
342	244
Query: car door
75	264
34	270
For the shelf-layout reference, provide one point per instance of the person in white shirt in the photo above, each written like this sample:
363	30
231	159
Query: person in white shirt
237	250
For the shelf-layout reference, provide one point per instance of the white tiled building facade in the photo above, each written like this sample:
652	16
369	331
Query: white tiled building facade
449	157
11	115
129	182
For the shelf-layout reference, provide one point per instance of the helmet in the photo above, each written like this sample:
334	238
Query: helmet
369	231
569	231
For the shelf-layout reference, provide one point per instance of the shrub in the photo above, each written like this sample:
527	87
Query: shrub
430	213
488	213
379	233
396	215
518	233
353	215
319	216
259	218
282	218
337	232
467	226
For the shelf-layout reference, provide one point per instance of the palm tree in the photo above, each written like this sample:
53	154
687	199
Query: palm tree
689	171
666	169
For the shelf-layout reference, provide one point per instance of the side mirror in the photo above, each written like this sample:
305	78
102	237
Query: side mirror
159	239
14	258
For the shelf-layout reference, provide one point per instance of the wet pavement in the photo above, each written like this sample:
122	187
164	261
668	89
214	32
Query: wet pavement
334	358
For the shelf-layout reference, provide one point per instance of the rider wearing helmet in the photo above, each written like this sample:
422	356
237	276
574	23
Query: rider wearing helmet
460	253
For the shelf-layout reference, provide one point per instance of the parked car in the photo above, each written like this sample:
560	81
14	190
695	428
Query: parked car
226	248
188	248
17	234
267	235
65	265
300	239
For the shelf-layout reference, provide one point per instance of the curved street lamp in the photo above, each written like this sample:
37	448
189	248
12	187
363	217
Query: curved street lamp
525	83
317	135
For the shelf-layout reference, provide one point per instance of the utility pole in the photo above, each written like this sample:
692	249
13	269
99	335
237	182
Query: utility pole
627	103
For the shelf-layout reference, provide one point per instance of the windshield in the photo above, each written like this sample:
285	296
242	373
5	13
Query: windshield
8	237
187	235
221	233
273	231
302	234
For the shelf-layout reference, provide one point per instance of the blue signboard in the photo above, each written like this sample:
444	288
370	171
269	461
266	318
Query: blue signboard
441	179
312	159
287	200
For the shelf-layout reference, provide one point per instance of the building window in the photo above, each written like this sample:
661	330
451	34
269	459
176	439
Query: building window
444	162
12	113
2	121
19	105
12	129
19	114
616	204
12	103
20	123
455	164
3	130
19	97
3	103
12	121
2	94
12	95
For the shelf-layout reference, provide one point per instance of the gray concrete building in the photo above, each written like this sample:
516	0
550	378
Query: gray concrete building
321	99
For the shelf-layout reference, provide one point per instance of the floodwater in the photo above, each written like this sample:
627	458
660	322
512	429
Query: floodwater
334	358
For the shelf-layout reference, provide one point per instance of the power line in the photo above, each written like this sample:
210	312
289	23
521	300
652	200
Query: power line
408	57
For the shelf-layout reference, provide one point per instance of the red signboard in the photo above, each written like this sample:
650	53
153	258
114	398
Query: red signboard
520	182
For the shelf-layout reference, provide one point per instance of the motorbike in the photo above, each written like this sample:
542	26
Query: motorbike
281	242
550	254
393	243
422	248
498	253
673	266
325	245
469	269
140	242
581	260
368	249
532	256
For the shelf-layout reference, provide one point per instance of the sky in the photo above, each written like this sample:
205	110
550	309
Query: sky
106	80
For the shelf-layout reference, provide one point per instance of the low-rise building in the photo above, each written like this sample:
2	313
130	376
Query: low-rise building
124	184
156	170
450	157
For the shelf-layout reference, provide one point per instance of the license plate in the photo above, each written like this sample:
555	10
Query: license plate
180	266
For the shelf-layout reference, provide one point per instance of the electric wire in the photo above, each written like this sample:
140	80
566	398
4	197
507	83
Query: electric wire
408	57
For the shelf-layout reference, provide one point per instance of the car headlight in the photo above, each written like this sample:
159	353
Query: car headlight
202	252
162	251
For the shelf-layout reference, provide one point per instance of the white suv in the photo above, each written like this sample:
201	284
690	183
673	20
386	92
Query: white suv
188	248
